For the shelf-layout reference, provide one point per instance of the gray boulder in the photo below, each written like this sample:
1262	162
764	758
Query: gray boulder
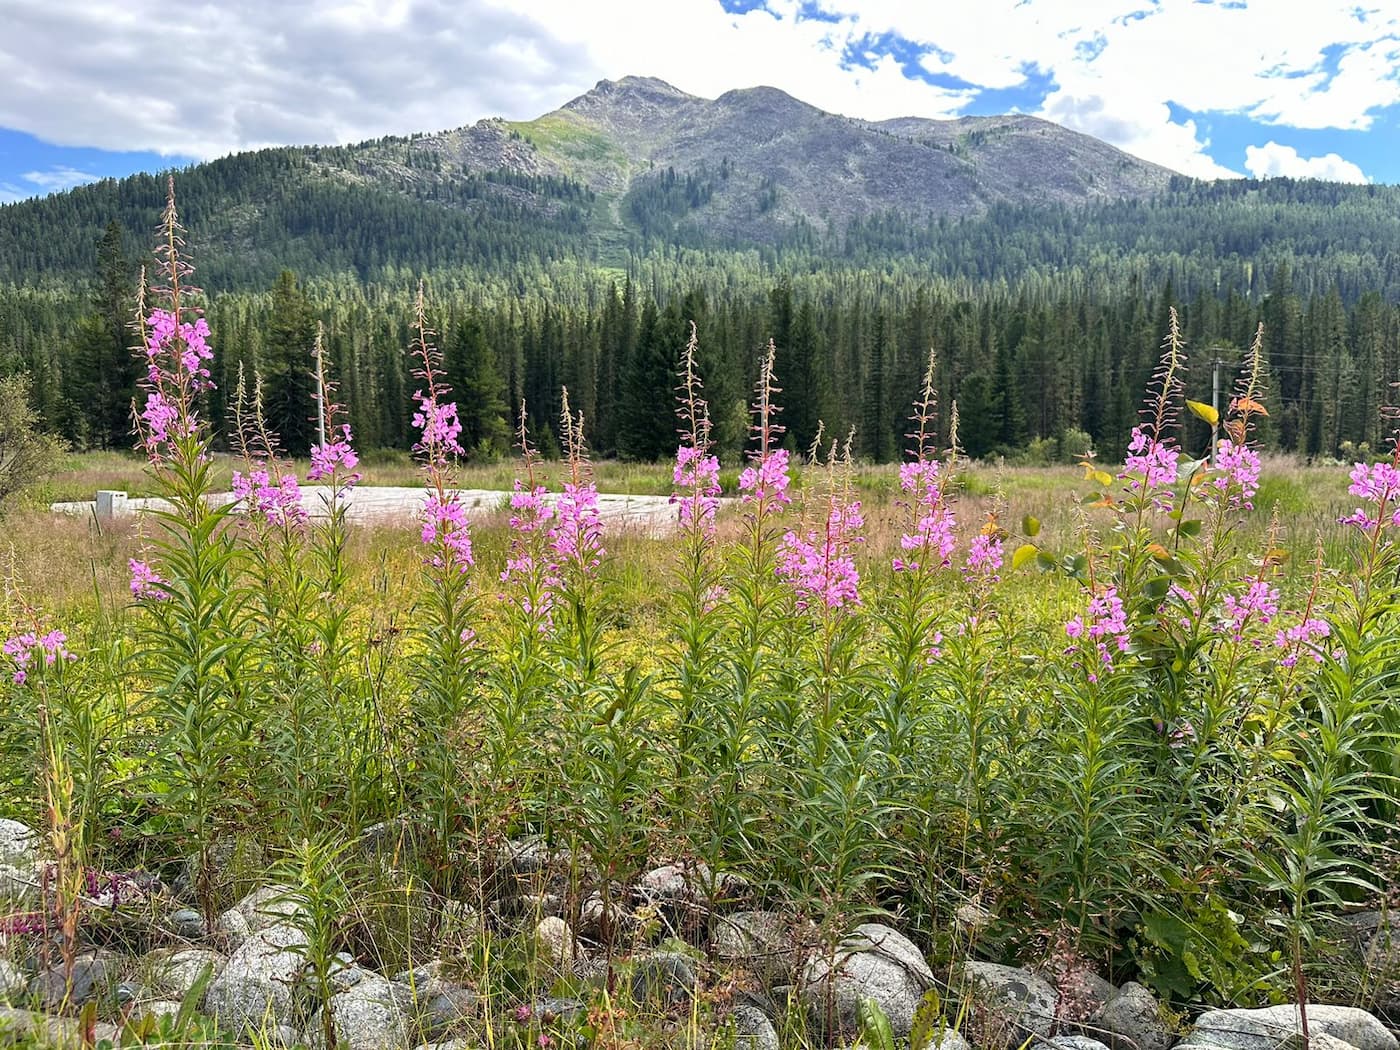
752	1029
19	845
949	1039
13	983
1132	1020
1273	1026
94	974
1010	1005
35	1029
665	979
265	907
875	962
19	866
373	1014
255	987
175	973
1073	1042
766	943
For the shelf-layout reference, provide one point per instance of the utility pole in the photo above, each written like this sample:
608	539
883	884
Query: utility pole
1214	403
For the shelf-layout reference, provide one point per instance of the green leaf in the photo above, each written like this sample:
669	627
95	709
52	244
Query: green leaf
1024	553
875	1029
1204	411
1030	525
1190	527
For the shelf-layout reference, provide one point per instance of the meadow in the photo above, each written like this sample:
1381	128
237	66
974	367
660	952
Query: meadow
522	781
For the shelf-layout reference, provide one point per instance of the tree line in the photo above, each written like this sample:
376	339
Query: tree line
1045	364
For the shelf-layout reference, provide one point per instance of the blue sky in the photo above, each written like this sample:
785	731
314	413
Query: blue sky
1211	88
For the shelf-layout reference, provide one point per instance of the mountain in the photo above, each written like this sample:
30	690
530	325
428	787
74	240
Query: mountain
757	160
630	164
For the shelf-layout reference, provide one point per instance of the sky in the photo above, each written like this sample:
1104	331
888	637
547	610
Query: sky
1210	88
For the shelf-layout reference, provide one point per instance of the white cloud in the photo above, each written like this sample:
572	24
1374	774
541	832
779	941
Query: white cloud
59	178
1271	159
205	79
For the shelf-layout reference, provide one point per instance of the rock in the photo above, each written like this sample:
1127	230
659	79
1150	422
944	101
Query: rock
286	1035
374	1014
1073	1042
425	980
188	923
555	942
599	921
13	984
450	1044
1291	1041
523	858
1131	1020
949	1039
1267	1028
1082	995
875	962
175	973
766	943
519	908
265	907
345	973
1009	1004
19	867
256	984
19	845
753	1030
666	979
93	976
157	1008
552	1009
35	1029
447	1010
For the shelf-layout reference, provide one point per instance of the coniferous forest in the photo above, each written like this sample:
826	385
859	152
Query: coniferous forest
1046	320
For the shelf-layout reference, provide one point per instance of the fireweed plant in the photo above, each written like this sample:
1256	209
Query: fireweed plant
1154	750
445	723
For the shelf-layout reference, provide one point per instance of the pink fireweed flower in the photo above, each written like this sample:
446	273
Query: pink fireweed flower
22	649
819	567
526	560
186	349
336	458
696	478
529	511
984	557
445	521
162	423
439	425
146	582
933	530
1379	484
1237	474
1300	636
578	533
767	479
1105	625
1259	603
1151	468
277	499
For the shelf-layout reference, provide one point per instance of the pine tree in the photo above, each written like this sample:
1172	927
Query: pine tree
478	388
285	366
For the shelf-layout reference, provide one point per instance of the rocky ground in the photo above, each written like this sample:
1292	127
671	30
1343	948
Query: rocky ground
709	968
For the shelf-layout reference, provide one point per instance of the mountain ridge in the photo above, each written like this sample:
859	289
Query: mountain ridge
627	165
